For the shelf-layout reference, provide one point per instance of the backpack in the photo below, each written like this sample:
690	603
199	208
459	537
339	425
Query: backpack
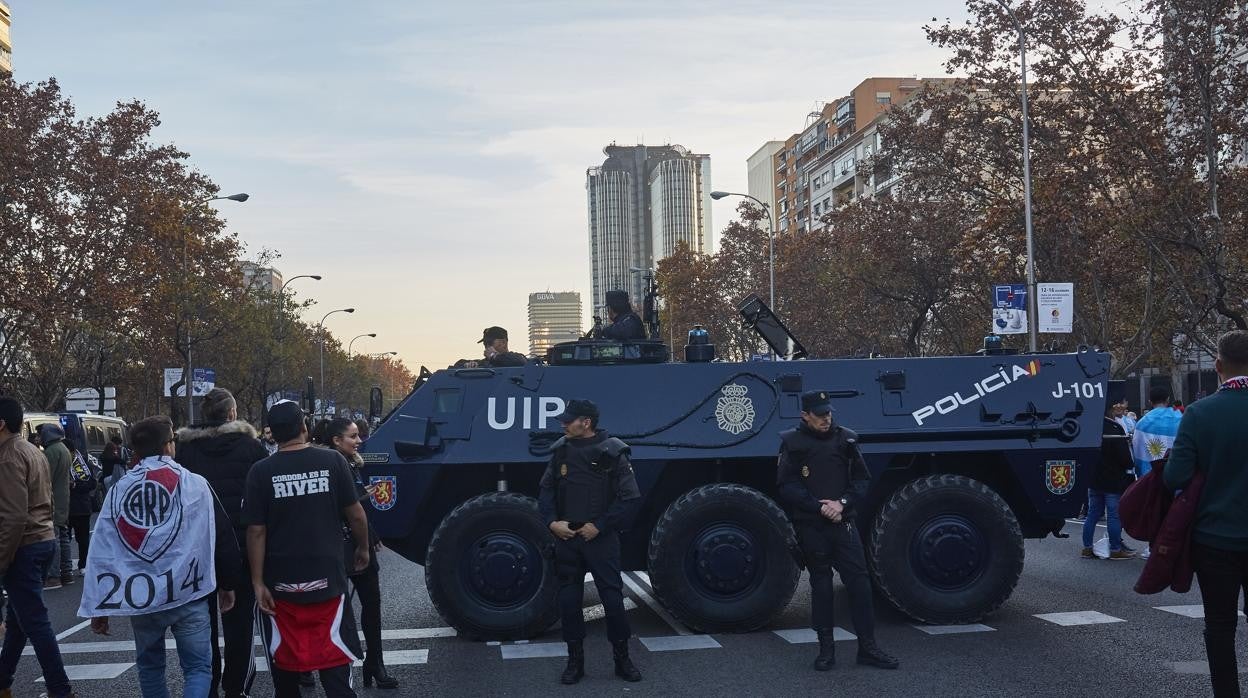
79	470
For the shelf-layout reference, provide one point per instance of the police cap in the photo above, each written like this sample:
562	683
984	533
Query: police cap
618	300
489	334
816	402
577	409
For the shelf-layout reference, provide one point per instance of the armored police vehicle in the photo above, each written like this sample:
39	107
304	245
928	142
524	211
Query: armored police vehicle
969	455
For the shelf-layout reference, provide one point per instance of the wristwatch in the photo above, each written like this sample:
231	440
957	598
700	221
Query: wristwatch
844	502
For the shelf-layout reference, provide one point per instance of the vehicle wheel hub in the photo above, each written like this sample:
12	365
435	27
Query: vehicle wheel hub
948	552
503	569
725	560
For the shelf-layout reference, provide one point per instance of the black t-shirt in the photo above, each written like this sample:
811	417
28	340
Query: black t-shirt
299	496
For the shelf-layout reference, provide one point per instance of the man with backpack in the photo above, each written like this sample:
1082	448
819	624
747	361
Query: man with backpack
59	461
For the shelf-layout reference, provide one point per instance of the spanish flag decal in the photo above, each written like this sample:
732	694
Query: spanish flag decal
1033	367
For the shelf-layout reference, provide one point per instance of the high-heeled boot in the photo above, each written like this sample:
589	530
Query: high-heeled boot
375	670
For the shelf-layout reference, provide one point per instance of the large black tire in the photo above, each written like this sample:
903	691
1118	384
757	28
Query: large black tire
720	559
487	570
946	549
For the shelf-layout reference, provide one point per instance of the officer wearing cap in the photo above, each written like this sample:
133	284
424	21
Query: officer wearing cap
496	353
625	324
588	495
822	478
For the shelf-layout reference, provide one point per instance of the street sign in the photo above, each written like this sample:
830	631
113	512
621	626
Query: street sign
1009	309
205	379
1055	308
88	400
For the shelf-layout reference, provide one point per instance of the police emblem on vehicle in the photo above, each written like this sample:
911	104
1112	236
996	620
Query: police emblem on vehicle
385	491
148	514
1059	476
735	412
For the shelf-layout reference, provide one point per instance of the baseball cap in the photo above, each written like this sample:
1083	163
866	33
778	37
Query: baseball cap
285	412
490	334
816	402
577	409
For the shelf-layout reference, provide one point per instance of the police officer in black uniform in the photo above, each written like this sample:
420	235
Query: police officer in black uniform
625	324
822	478
588	496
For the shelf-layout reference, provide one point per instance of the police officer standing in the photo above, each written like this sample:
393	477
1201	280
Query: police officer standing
822	477
588	495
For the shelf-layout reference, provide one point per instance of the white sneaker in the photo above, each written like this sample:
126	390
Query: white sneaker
1144	553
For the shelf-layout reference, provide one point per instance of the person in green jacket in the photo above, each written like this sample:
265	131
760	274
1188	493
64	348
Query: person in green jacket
1212	440
59	460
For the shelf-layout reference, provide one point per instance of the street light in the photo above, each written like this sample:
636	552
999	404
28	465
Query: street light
384	353
370	334
771	240
189	378
1032	329
314	277
321	327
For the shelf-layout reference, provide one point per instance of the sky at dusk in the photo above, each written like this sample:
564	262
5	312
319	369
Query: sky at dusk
428	159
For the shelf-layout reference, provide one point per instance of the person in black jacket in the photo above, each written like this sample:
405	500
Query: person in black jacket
1110	479
588	495
822	477
625	324
222	450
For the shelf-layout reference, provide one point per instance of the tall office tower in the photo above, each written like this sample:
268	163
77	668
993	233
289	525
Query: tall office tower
644	201
553	318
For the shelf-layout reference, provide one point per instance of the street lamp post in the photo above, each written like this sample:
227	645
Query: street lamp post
1032	325
321	332
358	336
771	242
189	378
315	277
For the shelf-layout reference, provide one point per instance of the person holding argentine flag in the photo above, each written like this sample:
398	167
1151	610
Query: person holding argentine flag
1155	432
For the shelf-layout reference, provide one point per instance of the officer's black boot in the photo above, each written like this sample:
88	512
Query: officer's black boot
575	671
623	665
827	651
870	654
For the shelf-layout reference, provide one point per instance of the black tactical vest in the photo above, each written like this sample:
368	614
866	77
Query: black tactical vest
822	463
585	487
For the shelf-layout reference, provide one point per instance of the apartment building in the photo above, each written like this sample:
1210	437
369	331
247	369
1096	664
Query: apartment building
6	41
817	169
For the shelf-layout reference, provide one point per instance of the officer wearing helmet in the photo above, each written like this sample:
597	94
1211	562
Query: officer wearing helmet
822	477
588	495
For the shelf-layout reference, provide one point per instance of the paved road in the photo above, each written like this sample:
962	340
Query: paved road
1112	642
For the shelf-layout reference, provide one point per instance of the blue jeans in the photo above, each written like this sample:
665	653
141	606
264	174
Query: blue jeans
1102	503
193	635
28	618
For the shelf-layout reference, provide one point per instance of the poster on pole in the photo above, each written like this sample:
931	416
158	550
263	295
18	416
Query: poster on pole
205	380
1055	308
1009	309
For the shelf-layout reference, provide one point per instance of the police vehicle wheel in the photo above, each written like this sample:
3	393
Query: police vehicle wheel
946	549
487	572
720	559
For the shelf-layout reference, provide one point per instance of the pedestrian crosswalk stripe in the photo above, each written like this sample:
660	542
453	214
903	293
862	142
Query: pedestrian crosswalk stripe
1078	618
87	672
413	633
393	658
955	629
533	650
170	644
679	642
798	636
1189	611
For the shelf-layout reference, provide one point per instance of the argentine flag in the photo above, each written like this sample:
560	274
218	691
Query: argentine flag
1154	436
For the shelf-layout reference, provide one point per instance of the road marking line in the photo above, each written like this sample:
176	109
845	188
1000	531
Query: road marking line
1078	618
647	599
88	672
414	633
599	612
1190	611
170	643
799	636
534	650
71	631
679	642
955	629
393	658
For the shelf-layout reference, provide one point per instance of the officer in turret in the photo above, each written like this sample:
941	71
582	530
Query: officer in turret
588	495
625	324
822	478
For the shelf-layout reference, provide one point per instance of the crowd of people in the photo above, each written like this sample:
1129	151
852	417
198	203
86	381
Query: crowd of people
229	529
